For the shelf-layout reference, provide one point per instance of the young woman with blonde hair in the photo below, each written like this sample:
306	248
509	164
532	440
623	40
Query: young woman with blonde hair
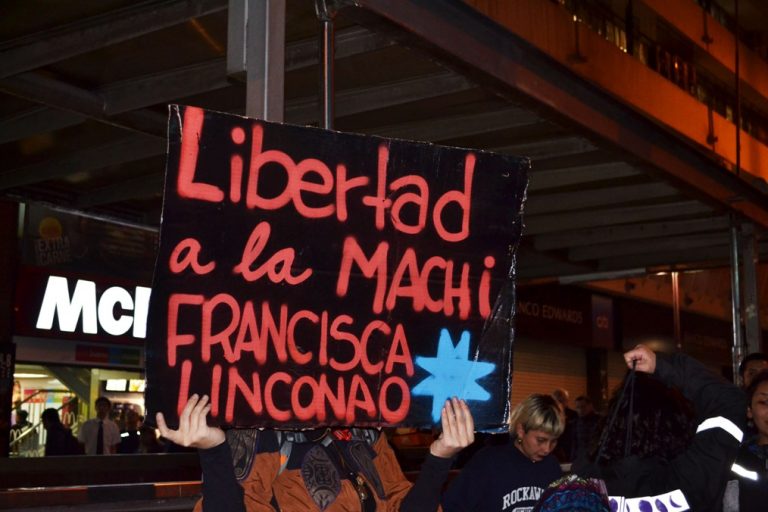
514	475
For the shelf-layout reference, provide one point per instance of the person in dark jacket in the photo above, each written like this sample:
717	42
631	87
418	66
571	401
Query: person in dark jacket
130	437
565	442
327	469
748	491
657	476
584	429
59	439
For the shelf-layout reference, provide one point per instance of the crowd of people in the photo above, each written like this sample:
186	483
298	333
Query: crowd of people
670	441
675	437
103	435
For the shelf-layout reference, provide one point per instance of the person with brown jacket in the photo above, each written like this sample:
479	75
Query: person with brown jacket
327	469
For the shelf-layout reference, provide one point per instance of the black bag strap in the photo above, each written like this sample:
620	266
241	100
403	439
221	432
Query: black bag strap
629	382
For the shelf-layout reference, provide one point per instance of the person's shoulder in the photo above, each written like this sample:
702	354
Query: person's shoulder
493	454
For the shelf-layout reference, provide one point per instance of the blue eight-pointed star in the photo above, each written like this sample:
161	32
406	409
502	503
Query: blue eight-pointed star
453	373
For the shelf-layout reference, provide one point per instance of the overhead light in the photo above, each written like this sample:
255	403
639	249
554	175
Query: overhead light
116	384
29	375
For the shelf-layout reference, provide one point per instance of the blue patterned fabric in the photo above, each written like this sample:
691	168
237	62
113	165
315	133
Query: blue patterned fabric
574	494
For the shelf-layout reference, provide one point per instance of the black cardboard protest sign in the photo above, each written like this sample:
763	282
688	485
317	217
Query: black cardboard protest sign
307	277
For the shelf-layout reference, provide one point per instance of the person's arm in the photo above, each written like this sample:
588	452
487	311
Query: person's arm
424	495
466	490
719	404
703	469
458	433
426	492
221	492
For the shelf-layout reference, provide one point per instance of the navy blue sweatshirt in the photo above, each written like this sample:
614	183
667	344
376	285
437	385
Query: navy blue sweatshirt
500	478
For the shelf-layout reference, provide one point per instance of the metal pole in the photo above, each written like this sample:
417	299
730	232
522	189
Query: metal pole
676	308
738	340
325	14
738	92
738	337
9	259
750	294
263	34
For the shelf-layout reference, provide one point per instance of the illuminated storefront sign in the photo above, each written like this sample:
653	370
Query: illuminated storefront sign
111	309
80	307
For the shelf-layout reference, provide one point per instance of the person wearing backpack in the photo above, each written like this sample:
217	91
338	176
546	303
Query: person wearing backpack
327	469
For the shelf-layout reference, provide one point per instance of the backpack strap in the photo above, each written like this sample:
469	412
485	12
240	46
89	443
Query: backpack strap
285	440
242	443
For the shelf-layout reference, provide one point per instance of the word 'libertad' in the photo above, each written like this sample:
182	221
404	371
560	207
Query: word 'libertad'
329	190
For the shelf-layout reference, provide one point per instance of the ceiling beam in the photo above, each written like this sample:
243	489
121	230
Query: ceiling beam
566	176
138	147
165	87
664	244
453	127
131	148
532	264
538	224
157	88
348	42
35	121
63	96
59	43
141	187
582	199
207	76
578	238
686	258
365	99
548	148
692	258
